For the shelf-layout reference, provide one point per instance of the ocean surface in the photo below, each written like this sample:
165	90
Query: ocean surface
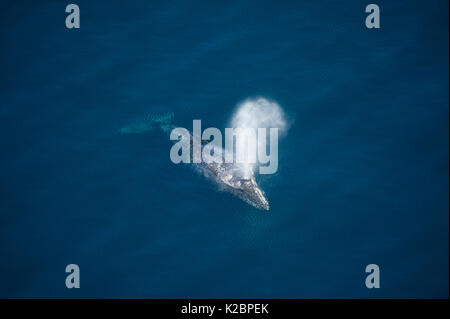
363	171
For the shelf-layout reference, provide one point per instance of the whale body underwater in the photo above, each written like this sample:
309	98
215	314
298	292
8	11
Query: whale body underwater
231	176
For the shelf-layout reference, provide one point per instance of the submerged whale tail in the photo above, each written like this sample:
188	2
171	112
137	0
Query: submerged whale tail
149	123
165	121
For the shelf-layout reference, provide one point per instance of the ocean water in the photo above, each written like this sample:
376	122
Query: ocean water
363	170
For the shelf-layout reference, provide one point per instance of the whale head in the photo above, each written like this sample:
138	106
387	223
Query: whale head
253	194
243	184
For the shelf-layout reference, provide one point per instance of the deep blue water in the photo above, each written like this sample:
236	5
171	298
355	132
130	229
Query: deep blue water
363	175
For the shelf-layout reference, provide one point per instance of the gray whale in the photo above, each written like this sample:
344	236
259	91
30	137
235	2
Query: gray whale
229	175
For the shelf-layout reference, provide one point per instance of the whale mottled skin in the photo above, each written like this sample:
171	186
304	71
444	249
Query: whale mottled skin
235	179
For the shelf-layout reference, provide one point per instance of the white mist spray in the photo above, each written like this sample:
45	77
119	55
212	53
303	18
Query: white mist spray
257	113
